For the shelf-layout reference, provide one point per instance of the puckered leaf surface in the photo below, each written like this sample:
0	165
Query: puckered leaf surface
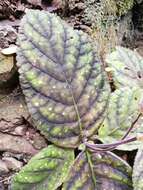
45	171
58	69
127	67
110	171
138	171
123	110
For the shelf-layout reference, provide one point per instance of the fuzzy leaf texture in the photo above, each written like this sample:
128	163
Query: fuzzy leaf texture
110	171
124	108
45	171
127	67
138	171
58	69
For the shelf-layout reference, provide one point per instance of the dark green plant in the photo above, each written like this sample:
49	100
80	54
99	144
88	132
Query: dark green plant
67	93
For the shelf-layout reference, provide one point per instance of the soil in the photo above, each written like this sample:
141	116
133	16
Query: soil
15	123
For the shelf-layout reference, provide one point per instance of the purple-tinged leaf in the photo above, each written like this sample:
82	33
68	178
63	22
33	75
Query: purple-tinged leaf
127	67
61	78
124	111
138	171
111	173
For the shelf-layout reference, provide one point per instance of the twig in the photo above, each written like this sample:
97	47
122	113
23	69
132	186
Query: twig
6	179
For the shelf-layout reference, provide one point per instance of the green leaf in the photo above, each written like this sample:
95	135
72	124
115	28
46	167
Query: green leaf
123	110
127	66
45	171
61	78
110	172
138	171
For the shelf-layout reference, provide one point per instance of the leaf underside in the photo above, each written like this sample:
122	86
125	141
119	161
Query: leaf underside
110	171
56	65
45	171
138	171
123	110
127	66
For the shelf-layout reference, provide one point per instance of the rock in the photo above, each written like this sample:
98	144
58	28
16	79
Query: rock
35	2
11	127
30	134
6	64
35	138
3	168
79	6
10	50
8	34
16	144
9	9
73	4
8	71
21	137
85	28
12	163
1	184
21	130
18	156
3	42
39	142
12	109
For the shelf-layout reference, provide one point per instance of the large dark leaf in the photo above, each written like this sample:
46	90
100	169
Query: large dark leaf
61	78
45	171
111	173
123	112
138	171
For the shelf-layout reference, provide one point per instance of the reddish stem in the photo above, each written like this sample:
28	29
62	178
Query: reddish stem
111	146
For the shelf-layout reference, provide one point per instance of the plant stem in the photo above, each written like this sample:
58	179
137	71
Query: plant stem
75	106
107	147
112	146
91	166
132	126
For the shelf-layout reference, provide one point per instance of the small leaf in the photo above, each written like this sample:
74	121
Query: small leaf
110	172
127	66
45	171
138	171
60	72
123	110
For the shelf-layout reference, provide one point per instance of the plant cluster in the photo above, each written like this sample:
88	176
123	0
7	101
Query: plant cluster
69	97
